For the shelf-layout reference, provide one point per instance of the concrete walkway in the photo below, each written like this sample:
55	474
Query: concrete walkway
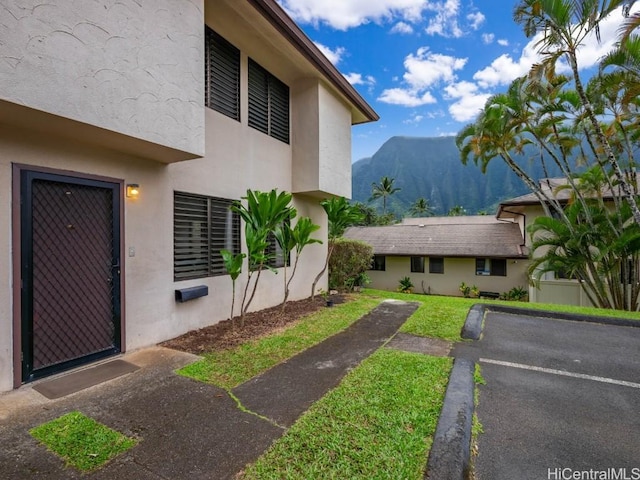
189	430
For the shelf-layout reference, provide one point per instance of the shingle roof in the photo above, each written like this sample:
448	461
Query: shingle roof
497	239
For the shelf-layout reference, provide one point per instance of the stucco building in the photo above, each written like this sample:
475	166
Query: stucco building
189	102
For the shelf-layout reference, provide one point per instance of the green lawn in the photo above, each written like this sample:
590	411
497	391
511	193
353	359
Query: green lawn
81	441
378	423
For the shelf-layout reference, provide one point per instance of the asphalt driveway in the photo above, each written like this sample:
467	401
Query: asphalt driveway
560	397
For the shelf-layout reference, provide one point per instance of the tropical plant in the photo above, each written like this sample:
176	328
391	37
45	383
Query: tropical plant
468	291
340	214
290	239
421	208
405	285
233	266
516	294
383	190
263	213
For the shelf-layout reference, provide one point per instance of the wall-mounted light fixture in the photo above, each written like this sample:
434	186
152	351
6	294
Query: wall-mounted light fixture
133	190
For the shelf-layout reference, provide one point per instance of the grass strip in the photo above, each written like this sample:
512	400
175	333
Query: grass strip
378	423
230	368
443	317
81	441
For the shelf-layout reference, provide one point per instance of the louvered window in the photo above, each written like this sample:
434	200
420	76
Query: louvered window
268	103
491	266
222	75
202	226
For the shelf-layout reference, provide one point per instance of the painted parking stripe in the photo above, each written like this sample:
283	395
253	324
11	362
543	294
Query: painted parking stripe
561	373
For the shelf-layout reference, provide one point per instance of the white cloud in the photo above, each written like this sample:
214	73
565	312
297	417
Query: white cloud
414	119
445	21
475	20
504	69
425	69
468	100
487	38
342	15
406	98
358	79
402	28
334	56
503	42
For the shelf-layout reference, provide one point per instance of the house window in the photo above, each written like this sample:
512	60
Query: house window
491	266
378	263
268	103
436	265
202	226
222	75
417	264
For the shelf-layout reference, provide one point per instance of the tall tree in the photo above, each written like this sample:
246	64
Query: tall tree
383	190
565	25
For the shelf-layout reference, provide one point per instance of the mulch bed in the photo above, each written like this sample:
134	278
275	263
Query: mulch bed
222	335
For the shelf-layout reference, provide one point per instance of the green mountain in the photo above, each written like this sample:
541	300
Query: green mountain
431	168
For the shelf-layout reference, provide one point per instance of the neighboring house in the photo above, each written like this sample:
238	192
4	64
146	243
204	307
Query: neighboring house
100	98
438	253
553	287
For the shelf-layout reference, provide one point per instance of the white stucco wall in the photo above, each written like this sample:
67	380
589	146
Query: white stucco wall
133	67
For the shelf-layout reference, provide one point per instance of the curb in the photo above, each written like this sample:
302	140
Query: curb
472	328
451	449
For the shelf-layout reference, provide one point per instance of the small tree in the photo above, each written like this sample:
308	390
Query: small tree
340	214
233	266
295	238
264	212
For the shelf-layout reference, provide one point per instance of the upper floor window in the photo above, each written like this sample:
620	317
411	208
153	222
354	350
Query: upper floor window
222	75
491	266
202	226
436	265
417	264
378	262
268	103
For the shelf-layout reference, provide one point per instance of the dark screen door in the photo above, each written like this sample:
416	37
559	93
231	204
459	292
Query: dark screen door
70	271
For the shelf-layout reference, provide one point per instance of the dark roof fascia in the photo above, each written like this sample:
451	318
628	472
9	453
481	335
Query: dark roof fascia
290	30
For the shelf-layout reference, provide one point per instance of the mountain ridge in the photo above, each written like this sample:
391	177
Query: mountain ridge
430	167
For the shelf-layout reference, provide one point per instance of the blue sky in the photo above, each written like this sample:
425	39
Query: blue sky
426	66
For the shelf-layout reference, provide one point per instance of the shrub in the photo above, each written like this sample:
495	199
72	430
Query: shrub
469	291
405	285
516	294
349	260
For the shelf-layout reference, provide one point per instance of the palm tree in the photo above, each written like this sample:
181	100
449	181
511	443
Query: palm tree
456	211
383	190
421	208
565	25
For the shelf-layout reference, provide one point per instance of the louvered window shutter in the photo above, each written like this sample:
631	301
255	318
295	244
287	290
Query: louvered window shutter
258	97
222	75
268	103
202	227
